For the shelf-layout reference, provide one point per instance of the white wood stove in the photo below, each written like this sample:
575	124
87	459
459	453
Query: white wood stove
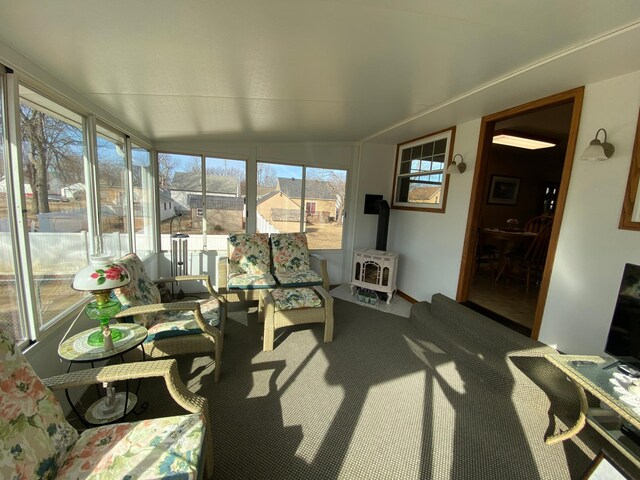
375	270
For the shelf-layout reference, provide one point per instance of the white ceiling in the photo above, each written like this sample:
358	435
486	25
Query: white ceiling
318	70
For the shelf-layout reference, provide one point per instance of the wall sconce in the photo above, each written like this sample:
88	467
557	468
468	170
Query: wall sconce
598	150
457	167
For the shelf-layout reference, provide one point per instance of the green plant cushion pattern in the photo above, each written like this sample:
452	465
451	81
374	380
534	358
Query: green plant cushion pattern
140	291
304	278
167	448
292	298
249	253
249	281
34	435
290	252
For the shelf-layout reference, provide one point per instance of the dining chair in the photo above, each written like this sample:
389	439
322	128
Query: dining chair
531	263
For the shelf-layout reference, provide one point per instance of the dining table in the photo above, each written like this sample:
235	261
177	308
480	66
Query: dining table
507	240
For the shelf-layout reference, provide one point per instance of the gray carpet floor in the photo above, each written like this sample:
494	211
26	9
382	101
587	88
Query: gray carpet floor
366	406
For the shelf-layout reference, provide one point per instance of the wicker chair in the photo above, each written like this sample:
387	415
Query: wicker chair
37	441
292	262
174	328
247	268
252	257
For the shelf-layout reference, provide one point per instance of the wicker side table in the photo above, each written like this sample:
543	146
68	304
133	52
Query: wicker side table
275	317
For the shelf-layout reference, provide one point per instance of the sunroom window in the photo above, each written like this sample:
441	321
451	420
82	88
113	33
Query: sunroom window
293	198
420	179
53	189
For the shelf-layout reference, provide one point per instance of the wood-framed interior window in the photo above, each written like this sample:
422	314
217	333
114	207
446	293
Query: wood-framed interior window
420	181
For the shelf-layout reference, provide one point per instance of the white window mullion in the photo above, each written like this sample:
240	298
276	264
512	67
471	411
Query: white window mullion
91	182
303	219
27	299
128	188
203	180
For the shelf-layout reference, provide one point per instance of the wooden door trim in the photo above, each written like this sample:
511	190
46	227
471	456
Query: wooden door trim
477	195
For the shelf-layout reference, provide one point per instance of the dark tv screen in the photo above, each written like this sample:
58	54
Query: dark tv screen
623	341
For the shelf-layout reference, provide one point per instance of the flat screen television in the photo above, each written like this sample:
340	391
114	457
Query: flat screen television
623	342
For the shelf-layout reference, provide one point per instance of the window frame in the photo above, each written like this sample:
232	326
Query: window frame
86	121
440	207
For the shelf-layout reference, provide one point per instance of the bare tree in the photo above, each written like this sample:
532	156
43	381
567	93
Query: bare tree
267	176
166	167
336	181
48	143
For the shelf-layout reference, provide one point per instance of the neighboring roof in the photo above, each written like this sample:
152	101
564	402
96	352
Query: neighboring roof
424	193
165	195
188	181
314	189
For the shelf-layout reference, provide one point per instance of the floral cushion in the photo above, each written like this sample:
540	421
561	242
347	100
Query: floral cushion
159	448
34	435
292	298
290	252
299	279
210	309
251	282
182	322
249	253
140	291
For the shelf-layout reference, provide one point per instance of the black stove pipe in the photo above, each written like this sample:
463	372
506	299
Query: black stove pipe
383	225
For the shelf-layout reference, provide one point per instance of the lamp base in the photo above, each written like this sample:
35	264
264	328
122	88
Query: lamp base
109	409
96	339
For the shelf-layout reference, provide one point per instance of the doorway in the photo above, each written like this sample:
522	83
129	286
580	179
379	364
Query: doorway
516	208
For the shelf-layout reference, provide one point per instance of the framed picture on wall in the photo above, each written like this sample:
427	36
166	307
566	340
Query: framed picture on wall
503	190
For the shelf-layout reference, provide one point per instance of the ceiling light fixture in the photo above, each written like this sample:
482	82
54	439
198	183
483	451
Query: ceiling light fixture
521	140
458	167
598	150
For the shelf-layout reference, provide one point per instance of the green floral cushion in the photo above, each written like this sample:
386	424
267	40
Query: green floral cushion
249	253
159	448
140	291
248	281
303	278
290	252
182	322
292	298
34	435
210	309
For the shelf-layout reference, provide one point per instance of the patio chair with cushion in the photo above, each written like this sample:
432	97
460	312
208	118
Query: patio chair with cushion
37	441
247	268
292	262
174	328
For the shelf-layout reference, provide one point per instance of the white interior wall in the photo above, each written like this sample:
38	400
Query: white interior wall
591	250
429	244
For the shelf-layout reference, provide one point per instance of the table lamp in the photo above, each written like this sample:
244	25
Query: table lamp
100	277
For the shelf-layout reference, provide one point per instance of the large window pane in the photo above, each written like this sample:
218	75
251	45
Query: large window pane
54	188
224	208
180	179
9	314
142	200
279	198
112	173
324	196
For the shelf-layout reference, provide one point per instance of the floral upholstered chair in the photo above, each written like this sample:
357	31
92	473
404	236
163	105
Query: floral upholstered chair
292	262
174	328
37	441
247	268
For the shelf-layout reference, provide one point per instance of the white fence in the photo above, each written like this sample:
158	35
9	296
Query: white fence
263	226
66	253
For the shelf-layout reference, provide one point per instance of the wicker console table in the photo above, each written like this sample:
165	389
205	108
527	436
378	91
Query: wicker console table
595	378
